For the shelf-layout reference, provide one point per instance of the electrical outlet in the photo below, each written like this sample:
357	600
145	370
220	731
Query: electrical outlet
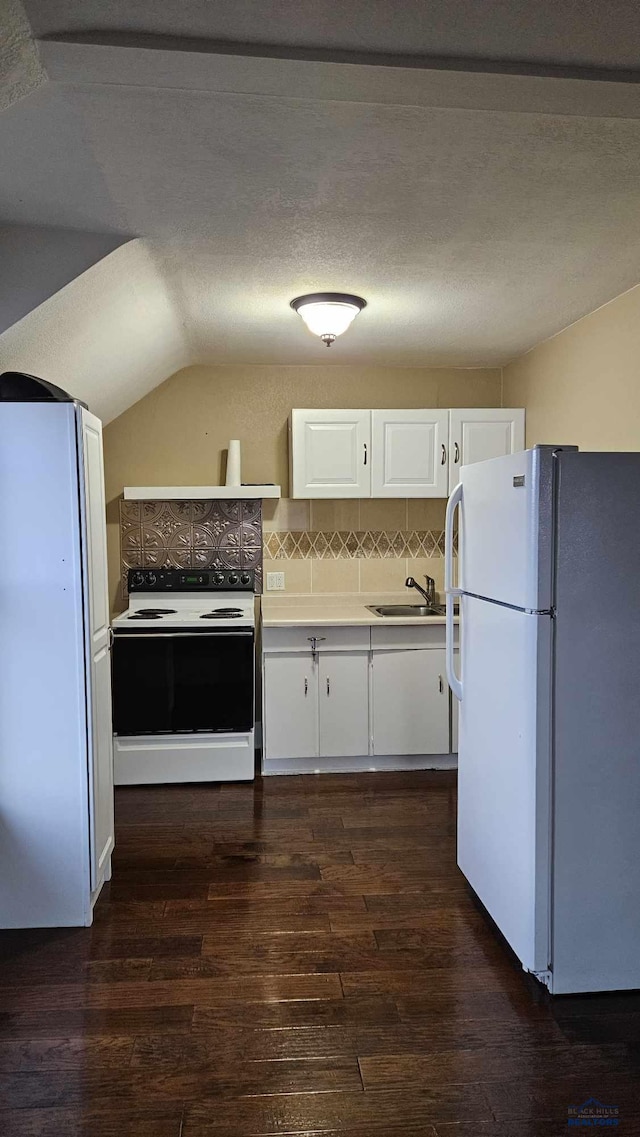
275	581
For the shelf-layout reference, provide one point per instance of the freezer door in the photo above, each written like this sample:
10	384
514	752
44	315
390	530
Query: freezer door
503	771
506	525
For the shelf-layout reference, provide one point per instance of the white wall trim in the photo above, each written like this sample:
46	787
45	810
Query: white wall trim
362	765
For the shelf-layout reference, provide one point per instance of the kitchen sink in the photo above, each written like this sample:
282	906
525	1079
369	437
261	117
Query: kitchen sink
406	610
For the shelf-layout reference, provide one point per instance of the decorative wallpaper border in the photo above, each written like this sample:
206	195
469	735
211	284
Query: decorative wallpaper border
191	535
367	544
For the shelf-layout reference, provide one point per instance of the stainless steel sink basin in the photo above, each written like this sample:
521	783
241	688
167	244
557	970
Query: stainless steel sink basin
405	610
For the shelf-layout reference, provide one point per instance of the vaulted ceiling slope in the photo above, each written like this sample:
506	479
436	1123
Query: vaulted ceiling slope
109	337
472	170
37	261
569	33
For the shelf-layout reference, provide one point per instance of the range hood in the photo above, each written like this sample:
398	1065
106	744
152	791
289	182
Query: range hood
199	493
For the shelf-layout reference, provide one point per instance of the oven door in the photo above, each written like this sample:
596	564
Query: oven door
170	682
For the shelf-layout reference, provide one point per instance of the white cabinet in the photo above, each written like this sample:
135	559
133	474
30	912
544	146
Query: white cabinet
410	696
476	434
409	453
316	703
330	453
344	704
101	818
364	691
394	453
290	706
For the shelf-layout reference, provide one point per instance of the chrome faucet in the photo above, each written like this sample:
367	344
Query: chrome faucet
429	593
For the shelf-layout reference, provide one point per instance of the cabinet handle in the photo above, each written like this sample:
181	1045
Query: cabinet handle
314	641
444	455
365	453
328	685
456	453
440	684
306	685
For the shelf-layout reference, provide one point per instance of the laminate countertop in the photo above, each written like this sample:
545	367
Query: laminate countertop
346	610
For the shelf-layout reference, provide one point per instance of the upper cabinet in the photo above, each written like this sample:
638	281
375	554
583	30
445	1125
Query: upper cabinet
476	434
394	453
409	453
330	453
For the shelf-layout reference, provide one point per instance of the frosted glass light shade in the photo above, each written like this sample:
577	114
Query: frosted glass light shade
328	314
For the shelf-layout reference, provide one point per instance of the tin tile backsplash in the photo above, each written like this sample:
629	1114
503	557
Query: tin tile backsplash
191	535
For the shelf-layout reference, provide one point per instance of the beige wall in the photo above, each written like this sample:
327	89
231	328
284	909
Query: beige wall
421	521
583	386
177	434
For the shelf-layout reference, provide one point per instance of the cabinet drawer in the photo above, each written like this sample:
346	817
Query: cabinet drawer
328	639
406	636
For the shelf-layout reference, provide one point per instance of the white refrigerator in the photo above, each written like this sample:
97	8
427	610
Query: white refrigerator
56	759
548	683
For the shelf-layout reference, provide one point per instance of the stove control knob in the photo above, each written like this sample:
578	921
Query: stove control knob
218	578
151	578
137	580
245	578
232	578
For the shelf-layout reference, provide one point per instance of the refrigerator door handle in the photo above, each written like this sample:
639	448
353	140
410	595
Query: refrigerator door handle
451	592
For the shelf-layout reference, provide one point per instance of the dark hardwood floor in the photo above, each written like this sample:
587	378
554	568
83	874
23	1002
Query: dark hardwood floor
299	956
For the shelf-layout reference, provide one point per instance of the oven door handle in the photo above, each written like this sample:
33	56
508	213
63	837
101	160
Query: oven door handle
235	632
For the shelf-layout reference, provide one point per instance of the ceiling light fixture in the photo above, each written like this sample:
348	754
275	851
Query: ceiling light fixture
328	314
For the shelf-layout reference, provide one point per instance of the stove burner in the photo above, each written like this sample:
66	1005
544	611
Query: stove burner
144	616
222	614
156	611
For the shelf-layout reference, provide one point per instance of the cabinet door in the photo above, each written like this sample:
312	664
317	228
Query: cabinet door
410	702
290	706
101	818
330	453
476	434
344	704
409	453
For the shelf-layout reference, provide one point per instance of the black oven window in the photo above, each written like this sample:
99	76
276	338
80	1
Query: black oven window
202	682
213	683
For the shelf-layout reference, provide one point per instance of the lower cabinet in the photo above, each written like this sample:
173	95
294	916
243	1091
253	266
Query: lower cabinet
344	704
410	701
316	706
352	692
290	706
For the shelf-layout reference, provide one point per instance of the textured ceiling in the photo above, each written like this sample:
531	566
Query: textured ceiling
476	217
20	70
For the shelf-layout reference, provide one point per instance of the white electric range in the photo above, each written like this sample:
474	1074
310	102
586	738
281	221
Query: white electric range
183	671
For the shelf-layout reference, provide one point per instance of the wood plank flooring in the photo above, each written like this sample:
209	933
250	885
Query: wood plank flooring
298	956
